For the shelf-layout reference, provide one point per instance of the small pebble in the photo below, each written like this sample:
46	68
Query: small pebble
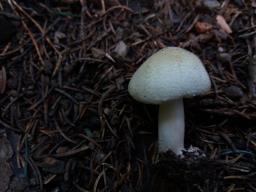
225	57
221	50
121	49
239	3
211	4
234	92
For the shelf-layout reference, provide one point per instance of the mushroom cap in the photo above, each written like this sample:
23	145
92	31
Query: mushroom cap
169	74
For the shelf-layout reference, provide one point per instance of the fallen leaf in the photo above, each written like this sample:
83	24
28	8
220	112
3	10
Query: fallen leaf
203	27
223	24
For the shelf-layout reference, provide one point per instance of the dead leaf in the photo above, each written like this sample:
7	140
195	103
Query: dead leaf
223	24
203	27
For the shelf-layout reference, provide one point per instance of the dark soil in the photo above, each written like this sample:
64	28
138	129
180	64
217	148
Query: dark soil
66	114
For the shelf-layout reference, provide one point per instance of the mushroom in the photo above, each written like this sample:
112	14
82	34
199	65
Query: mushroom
165	78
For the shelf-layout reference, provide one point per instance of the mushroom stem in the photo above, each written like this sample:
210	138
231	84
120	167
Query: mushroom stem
171	126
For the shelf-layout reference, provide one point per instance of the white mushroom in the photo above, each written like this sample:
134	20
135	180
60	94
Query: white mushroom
165	78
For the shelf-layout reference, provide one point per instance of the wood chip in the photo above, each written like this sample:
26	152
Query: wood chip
203	27
253	3
223	24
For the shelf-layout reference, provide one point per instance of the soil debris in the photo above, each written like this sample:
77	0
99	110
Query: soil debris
67	68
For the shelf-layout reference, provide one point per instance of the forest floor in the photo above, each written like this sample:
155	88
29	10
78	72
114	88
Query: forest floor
67	122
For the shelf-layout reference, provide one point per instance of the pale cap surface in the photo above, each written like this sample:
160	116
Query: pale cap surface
169	74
